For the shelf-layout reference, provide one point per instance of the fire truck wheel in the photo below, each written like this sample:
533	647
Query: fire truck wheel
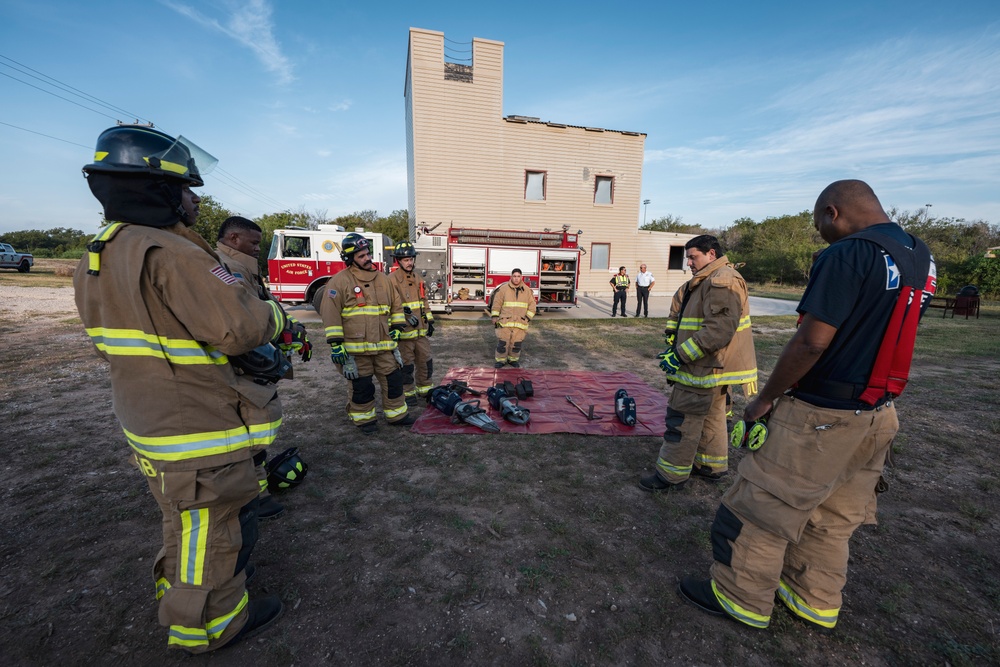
317	297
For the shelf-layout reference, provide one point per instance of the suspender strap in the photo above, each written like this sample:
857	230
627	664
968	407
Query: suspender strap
97	244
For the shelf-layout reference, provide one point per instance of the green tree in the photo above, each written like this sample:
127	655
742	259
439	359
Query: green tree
395	225
670	223
211	215
49	243
777	249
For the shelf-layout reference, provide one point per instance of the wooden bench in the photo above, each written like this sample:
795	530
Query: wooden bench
946	303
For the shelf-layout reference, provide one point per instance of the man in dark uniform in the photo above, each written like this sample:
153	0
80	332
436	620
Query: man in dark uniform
784	525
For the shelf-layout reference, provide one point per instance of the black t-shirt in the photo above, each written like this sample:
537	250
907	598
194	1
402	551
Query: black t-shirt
853	286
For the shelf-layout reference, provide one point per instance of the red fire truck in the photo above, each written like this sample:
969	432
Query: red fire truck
302	260
462	267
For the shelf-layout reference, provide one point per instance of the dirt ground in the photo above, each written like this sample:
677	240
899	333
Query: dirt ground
479	550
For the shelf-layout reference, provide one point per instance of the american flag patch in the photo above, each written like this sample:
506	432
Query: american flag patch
223	275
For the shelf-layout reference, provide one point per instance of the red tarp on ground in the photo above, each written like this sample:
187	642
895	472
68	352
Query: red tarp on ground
550	411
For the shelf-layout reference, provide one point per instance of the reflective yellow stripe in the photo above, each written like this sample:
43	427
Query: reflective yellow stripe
412	392
712	461
515	304
194	538
183	636
262	435
364	346
192	445
410	335
691	350
696	323
361	417
172	167
824	617
162	586
279	318
671	326
394	412
494	313
671	469
739	613
530	315
717	379
397	318
424	389
262	483
136	343
413	305
355	311
334	332
218	625
516	325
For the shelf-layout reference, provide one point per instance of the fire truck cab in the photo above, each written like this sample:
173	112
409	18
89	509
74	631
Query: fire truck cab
300	261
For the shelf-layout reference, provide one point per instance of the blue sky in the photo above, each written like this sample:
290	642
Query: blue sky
750	108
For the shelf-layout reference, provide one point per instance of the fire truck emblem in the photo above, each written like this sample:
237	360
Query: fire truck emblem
328	246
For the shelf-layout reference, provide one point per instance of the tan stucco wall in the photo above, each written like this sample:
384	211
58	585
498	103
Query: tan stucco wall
467	166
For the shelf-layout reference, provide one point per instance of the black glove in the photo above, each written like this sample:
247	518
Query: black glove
430	328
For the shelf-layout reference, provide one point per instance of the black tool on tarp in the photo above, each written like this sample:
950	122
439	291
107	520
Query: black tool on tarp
588	414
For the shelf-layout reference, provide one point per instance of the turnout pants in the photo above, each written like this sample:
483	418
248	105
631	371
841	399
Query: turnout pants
785	524
641	300
209	528
621	296
361	392
509	341
418	366
696	433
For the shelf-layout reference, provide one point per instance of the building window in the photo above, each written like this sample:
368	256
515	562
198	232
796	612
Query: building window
604	190
600	255
534	186
676	262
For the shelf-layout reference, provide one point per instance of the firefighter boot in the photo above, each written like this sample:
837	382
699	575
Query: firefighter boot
269	508
654	484
261	614
701	595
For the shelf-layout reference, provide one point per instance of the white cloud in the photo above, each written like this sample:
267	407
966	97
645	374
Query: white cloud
378	183
250	24
341	106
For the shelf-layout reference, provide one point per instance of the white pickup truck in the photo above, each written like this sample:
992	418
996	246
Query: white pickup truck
11	259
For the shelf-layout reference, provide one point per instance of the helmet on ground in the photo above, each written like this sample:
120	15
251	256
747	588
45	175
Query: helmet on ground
286	470
351	244
142	150
404	249
265	363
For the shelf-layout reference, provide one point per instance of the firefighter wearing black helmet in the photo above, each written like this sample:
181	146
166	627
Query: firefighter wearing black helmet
418	364
363	319
167	316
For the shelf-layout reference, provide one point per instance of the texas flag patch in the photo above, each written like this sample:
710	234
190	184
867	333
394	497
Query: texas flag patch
223	275
892	273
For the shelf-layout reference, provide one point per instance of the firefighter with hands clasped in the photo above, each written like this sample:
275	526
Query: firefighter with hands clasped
784	526
709	349
173	324
413	343
512	306
363	316
239	247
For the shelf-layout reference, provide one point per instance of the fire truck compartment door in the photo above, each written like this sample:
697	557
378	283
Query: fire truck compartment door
505	260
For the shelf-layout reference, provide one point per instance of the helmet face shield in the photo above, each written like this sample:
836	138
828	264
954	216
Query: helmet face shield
184	158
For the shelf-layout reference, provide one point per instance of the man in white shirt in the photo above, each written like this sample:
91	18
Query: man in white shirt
643	283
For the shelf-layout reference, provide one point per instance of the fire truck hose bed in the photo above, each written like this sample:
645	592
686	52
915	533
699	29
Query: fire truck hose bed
550	411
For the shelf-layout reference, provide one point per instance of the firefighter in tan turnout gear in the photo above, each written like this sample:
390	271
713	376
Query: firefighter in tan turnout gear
239	247
363	316
512	307
710	349
418	365
172	322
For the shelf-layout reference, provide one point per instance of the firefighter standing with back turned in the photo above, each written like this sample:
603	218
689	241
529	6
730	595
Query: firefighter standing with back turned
167	316
710	349
238	246
413	343
512	306
785	524
363	316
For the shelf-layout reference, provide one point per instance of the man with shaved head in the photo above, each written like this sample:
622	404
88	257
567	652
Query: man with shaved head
784	525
